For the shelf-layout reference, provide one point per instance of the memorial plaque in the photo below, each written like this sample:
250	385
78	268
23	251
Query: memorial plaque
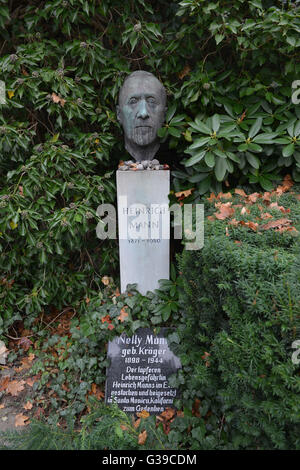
144	228
137	378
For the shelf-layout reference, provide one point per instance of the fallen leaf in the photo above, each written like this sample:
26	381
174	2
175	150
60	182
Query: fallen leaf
30	381
240	192
225	210
20	420
58	99
253	197
15	387
212	197
3	353
142	438
245	210
96	391
266	215
275	205
25	363
123	315
143	414
4	382
137	423
168	413
24	343
106	280
252	225
184	194
275	224
224	196
28	406
184	72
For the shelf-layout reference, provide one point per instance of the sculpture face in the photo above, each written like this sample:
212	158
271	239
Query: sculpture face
141	112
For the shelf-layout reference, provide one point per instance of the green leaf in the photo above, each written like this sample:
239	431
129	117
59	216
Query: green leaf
253	160
210	159
265	138
216	122
220	168
174	132
255	128
199	143
195	159
219	38
288	150
200	127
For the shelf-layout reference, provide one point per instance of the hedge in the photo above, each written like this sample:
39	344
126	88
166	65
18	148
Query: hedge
241	316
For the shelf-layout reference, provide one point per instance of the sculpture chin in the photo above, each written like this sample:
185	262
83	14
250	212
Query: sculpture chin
143	135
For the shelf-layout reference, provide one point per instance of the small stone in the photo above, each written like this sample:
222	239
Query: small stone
155	162
156	167
140	166
161	167
123	168
145	163
128	163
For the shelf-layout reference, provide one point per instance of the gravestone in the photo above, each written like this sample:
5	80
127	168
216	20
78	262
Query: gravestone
144	228
137	378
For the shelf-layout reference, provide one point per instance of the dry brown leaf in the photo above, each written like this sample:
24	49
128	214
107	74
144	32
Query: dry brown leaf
252	225
184	194
21	420
58	99
245	210
184	72
168	413
123	314
253	197
275	205
96	391
225	210
224	196
30	381
143	414
3	353
24	343
137	423
28	406
106	280
240	192
15	387
4	383
212	197
276	223
266	215
25	363
142	438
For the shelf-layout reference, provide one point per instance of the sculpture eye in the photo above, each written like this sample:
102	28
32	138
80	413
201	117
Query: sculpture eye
151	100
133	100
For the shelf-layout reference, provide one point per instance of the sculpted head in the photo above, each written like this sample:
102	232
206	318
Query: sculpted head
141	112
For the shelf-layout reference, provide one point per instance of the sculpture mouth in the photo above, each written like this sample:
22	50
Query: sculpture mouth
143	127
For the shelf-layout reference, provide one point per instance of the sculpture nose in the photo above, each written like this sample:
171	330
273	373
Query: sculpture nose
142	110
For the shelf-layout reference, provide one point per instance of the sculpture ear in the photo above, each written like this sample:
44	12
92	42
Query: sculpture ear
118	113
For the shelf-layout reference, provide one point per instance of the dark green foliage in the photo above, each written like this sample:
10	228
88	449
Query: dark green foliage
242	308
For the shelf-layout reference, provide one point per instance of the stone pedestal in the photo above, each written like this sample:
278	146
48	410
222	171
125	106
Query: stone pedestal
144	227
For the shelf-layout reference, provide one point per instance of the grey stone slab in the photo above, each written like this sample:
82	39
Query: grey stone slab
137	378
144	228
